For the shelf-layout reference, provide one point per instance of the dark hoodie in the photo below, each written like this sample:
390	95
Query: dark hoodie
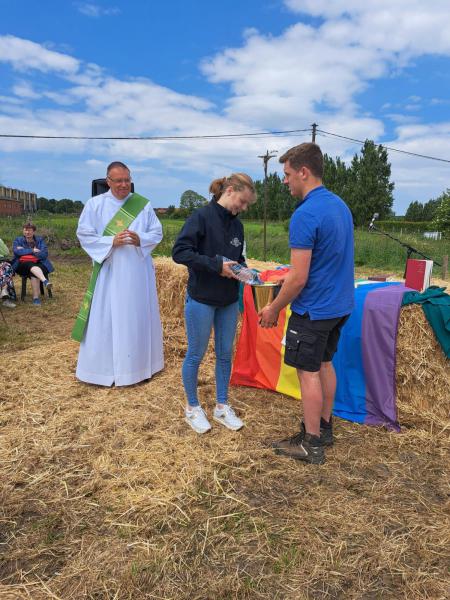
209	234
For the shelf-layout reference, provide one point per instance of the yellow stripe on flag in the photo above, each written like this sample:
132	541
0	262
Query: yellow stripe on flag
287	381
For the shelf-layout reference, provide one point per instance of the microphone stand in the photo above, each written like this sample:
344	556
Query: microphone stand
409	249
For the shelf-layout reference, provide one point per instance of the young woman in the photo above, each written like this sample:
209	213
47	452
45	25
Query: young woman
209	244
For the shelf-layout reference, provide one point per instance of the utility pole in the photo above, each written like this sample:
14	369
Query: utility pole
313	135
266	157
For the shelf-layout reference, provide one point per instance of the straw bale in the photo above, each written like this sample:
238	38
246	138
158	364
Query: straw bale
107	494
422	371
171	282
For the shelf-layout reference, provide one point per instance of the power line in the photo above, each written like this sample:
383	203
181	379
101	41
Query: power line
218	136
156	137
343	137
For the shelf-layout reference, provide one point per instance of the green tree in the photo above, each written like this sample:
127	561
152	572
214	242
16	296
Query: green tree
42	203
190	201
336	175
51	206
415	212
442	215
430	208
64	206
170	210
369	188
280	203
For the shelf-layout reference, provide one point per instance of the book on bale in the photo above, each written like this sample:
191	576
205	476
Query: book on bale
418	274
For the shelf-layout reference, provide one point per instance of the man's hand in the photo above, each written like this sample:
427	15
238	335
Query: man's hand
126	238
280	278
268	317
134	238
35	250
226	270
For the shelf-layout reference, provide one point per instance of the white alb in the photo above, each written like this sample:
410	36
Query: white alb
123	343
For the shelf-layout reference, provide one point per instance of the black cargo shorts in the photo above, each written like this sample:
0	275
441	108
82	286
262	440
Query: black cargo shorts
310	343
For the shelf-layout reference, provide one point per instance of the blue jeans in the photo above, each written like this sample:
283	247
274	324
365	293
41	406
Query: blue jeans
200	319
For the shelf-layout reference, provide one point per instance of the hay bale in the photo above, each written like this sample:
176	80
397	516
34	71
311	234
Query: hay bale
422	374
171	280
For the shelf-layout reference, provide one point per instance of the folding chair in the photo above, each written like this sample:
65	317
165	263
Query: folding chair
23	291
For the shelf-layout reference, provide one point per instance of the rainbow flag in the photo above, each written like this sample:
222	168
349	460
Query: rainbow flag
259	358
364	362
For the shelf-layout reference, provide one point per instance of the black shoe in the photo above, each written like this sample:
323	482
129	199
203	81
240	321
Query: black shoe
326	432
301	446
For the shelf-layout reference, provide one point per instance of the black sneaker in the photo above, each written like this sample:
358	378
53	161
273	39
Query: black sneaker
301	446
326	432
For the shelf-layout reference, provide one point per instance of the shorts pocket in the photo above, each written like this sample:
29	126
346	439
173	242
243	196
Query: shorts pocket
307	343
292	340
300	348
292	346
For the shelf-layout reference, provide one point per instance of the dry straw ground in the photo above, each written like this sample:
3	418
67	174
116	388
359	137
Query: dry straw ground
106	494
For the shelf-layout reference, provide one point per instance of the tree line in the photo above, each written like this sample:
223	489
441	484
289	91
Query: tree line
63	206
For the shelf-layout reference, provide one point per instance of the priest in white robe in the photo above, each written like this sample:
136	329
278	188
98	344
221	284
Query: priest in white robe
122	342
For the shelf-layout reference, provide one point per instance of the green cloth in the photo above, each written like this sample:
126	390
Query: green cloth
4	252
436	306
121	220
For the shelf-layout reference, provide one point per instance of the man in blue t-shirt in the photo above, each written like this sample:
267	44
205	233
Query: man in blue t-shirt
320	289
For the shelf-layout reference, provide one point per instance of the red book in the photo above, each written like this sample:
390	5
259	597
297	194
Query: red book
418	274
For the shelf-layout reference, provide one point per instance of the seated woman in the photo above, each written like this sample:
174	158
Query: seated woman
7	291
30	260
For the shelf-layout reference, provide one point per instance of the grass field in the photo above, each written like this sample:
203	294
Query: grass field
107	495
371	249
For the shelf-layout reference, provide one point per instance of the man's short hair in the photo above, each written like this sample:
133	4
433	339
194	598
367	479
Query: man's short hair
307	155
29	225
116	165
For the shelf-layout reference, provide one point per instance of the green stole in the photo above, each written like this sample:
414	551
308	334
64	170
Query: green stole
121	220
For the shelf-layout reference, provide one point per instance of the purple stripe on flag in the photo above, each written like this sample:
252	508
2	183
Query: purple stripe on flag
379	340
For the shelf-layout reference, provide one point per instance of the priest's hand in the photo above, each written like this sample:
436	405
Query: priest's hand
126	238
133	237
268	317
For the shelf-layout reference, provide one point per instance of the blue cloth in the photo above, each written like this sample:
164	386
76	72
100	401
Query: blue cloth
38	242
323	223
365	359
200	319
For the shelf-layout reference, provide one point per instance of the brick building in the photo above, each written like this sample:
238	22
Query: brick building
16	202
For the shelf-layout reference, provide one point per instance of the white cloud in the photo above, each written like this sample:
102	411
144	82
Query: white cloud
94	10
23	89
25	55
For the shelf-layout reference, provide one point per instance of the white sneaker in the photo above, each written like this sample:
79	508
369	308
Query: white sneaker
196	418
226	416
8	304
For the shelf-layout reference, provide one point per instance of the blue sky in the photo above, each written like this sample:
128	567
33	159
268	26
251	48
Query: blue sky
378	70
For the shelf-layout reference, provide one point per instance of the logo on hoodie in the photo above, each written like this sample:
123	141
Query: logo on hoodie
236	242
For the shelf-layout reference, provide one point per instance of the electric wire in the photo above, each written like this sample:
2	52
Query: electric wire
343	137
259	134
157	137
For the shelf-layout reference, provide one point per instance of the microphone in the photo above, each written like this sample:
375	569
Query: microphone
374	218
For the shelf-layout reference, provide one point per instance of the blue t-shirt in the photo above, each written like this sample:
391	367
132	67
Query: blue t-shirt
323	223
